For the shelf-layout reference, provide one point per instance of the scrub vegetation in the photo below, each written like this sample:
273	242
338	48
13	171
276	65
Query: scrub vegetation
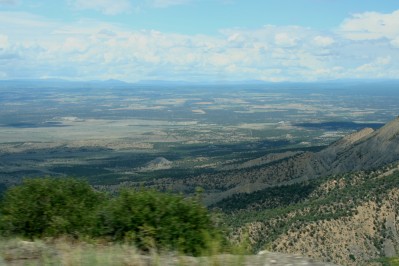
52	208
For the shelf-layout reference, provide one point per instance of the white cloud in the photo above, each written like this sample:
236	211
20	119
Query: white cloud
74	45
108	7
323	41
21	20
377	65
167	3
395	42
114	7
371	26
3	41
283	39
32	46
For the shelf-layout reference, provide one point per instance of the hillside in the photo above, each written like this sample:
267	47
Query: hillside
348	219
362	150
338	204
366	149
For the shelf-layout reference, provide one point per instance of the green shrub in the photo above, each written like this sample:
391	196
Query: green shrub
152	219
49	207
147	219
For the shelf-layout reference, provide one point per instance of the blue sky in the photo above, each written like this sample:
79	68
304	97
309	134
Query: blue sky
199	40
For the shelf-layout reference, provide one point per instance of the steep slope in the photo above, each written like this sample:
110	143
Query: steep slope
371	150
346	143
350	219
362	150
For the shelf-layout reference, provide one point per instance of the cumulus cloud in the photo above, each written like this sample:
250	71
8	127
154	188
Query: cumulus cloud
166	3
371	26
3	41
323	41
283	39
89	49
114	7
395	42
108	7
378	64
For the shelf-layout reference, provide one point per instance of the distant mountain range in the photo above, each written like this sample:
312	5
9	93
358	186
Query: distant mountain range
61	83
119	83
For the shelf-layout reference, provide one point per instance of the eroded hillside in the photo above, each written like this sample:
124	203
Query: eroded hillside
363	150
348	219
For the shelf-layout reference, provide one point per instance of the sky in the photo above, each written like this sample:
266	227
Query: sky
199	40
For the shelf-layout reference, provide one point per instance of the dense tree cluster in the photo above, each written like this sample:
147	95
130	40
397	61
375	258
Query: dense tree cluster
268	198
148	219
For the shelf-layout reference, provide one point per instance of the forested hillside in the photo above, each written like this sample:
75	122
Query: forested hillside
348	219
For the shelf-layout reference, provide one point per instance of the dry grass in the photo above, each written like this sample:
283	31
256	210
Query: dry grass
69	252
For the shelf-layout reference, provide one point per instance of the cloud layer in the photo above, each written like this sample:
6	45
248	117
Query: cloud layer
364	46
108	7
114	7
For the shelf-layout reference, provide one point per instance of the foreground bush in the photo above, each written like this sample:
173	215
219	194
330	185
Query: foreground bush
49	207
152	219
145	218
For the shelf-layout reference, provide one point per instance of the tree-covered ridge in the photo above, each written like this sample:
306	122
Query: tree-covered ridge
334	190
269	198
291	194
364	204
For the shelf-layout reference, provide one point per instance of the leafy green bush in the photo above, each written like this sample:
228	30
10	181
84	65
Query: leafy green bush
49	207
145	218
152	219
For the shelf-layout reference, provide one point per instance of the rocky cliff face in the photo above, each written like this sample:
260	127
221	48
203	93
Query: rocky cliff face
159	163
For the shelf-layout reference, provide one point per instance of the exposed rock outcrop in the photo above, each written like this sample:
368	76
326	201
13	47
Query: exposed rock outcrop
159	163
